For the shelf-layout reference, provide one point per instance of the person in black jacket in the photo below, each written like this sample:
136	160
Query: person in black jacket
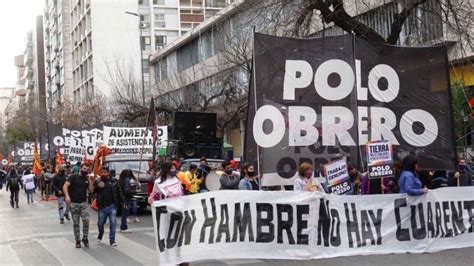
57	186
125	178
14	184
109	197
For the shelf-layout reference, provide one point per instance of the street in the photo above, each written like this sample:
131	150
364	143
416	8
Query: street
32	235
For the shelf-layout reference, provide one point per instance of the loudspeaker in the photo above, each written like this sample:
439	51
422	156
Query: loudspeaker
193	125
196	151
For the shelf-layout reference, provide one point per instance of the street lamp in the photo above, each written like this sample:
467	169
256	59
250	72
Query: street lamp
141	53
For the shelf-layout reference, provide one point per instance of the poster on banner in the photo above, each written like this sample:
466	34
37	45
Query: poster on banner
74	144
379	152
315	100
23	151
133	140
337	177
301	226
379	159
162	140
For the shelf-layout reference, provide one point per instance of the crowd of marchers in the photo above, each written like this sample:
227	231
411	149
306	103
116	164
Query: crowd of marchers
76	189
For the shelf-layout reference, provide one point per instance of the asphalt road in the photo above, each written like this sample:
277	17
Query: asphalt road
32	235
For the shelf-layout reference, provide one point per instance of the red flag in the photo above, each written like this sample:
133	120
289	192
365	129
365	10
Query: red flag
102	151
36	162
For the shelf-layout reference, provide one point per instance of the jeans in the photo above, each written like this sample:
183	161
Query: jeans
125	213
29	195
104	213
62	212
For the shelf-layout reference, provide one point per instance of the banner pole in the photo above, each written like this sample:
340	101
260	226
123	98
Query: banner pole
255	101
143	146
359	150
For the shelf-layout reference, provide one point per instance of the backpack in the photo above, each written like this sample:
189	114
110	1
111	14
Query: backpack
14	185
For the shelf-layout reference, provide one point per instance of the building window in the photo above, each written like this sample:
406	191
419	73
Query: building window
159	2
163	69
160	42
215	3
143	2
160	20
146	43
145	66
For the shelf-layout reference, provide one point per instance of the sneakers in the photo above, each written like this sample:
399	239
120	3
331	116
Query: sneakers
99	240
67	217
129	220
85	242
78	244
112	243
61	221
126	231
137	220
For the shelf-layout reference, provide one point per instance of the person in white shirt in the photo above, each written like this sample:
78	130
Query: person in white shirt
306	181
28	180
167	185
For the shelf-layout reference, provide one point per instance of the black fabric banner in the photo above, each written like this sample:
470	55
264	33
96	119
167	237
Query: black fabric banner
319	99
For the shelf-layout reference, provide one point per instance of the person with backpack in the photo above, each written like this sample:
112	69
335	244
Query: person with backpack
13	184
28	180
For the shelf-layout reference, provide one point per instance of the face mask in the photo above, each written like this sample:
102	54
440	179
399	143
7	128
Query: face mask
229	171
308	174
62	172
84	172
251	173
172	173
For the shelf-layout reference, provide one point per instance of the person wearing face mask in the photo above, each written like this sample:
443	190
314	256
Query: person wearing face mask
229	179
306	181
462	177
109	197
75	192
57	186
249	182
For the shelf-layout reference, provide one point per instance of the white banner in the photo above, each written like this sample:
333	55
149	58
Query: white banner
134	140
308	225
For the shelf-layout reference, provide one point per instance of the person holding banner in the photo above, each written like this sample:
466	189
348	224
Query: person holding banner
229	179
167	185
306	181
249	182
409	182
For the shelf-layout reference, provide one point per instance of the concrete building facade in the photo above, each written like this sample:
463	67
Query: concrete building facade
58	53
105	40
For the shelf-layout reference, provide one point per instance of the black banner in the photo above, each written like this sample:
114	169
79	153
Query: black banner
319	99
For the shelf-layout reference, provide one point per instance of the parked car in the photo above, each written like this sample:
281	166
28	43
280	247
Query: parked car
212	179
119	162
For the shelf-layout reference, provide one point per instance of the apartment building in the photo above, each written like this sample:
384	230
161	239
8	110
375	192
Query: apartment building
163	21
58	53
192	62
6	96
105	40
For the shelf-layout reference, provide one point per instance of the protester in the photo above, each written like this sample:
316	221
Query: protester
126	176
356	179
373	186
409	182
462	176
202	173
48	176
305	180
133	207
229	179
77	168
28	180
14	184
3	175
190	180
109	197
75	191
57	187
167	185
249	182
393	181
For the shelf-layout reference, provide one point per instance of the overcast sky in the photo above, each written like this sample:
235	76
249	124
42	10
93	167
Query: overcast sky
16	18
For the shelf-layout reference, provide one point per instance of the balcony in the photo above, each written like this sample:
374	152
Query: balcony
28	73
28	59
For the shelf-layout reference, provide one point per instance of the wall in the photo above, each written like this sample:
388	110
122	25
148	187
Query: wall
115	38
